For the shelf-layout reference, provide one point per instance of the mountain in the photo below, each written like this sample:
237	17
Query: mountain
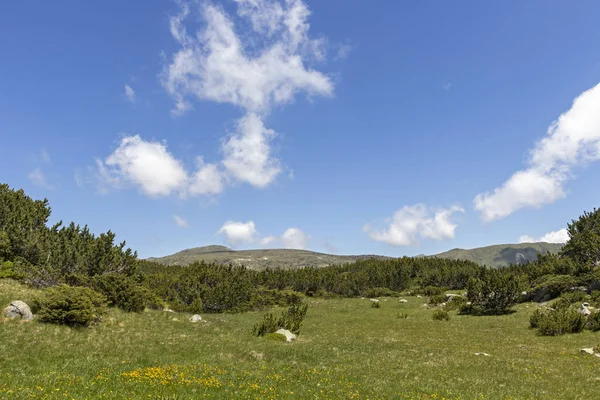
496	256
258	259
502	255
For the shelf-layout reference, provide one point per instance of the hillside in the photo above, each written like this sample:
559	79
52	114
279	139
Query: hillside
495	256
502	255
258	259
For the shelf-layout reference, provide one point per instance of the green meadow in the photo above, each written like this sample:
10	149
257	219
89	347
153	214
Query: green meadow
347	350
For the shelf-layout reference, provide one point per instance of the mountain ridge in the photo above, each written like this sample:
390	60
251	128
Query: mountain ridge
495	256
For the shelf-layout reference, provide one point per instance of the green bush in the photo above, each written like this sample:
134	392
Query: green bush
440	315
553	285
375	304
123	292
559	322
593	321
291	319
273	297
536	316
431	290
276	336
455	303
437	299
78	306
566	300
402	315
7	269
380	292
494	293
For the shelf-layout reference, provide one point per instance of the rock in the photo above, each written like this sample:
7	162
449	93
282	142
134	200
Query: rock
449	296
375	300
168	310
196	318
482	354
578	289
587	350
403	301
583	309
18	309
419	296
289	336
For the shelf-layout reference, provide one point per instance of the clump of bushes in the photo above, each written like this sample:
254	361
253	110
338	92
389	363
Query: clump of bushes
402	315
593	321
381	292
455	303
554	322
493	293
273	297
429	290
75	306
291	319
441	315
375	304
437	299
551	286
566	300
123	292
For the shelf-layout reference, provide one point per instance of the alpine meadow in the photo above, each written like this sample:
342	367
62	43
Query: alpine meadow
293	199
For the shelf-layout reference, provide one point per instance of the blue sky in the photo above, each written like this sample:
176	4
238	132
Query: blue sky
394	128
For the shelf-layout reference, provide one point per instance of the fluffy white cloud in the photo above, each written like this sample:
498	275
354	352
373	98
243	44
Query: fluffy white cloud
247	153
559	236
265	66
255	60
572	140
294	238
237	233
181	222
38	178
149	166
410	223
129	94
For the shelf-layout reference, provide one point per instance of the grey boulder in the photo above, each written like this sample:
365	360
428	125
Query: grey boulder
18	309
289	336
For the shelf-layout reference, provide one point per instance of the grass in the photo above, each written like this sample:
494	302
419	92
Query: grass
346	350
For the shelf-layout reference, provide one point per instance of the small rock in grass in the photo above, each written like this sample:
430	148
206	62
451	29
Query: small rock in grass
289	336
403	301
588	350
18	309
419	296
375	300
196	318
482	354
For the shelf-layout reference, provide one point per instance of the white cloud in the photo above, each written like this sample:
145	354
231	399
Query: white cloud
265	66
343	52
410	223
45	156
181	222
38	178
129	94
572	140
255	60
294	238
447	86
237	233
248	153
149	166
559	236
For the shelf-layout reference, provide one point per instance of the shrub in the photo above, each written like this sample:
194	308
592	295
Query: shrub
7	269
273	297
534	319
71	306
431	290
559	322
553	285
568	299
402	315
494	293
125	293
276	336
291	319
380	292
437	299
439	315
376	304
455	303
593	321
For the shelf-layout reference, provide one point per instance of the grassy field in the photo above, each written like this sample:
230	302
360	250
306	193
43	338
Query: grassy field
347	350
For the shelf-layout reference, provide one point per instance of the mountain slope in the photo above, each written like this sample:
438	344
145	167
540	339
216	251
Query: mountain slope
258	259
502	255
496	256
